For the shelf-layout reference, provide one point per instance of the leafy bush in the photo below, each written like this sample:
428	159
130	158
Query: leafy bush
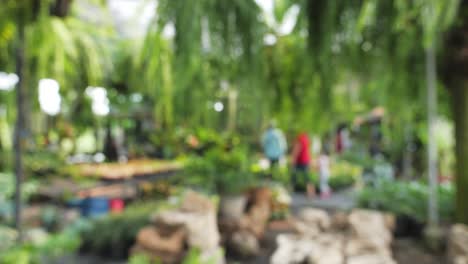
45	250
407	199
7	187
43	163
221	171
113	235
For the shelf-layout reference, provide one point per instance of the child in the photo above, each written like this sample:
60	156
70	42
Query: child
324	173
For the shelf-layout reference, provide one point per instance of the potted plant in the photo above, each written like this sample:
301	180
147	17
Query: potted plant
226	173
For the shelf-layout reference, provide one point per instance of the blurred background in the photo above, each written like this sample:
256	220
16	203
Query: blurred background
285	124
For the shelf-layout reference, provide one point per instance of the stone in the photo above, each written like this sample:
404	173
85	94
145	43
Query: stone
197	217
256	219
315	217
339	221
292	249
371	259
357	247
372	226
458	244
312	222
152	239
202	229
328	249
460	260
195	202
260	196
244	243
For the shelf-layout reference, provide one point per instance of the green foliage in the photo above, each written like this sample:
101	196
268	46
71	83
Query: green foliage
43	164
220	170
7	187
139	259
407	199
46	250
113	235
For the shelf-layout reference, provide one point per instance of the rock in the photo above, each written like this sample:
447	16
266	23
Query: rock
198	216
244	243
458	244
339	221
372	226
256	219
292	249
311	222
193	224
370	259
358	247
195	202
152	239
460	260
315	217
260	196
328	250
202	229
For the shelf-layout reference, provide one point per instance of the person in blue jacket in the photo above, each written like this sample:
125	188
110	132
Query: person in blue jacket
274	144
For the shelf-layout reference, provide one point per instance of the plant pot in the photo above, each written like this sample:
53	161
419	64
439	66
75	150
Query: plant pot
407	226
232	206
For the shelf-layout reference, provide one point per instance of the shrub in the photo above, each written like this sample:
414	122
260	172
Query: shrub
407	199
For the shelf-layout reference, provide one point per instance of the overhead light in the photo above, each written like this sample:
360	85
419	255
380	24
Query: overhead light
49	97
218	106
99	101
269	39
8	81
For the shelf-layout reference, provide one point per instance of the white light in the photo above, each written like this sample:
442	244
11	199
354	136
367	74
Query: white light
136	97
218	106
100	102
289	21
269	39
49	96
8	81
169	31
224	85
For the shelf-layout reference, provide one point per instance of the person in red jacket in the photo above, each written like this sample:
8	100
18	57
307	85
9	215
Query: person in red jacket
301	160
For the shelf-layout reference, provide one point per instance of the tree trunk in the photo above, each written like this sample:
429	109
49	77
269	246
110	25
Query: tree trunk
19	129
460	104
431	79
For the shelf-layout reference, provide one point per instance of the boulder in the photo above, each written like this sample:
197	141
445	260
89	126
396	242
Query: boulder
195	202
373	226
458	244
339	221
358	247
315	217
292	249
152	239
328	249
193	224
256	219
244	243
371	259
312	222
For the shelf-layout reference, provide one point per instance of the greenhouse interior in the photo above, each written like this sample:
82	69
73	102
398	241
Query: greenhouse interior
234	131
